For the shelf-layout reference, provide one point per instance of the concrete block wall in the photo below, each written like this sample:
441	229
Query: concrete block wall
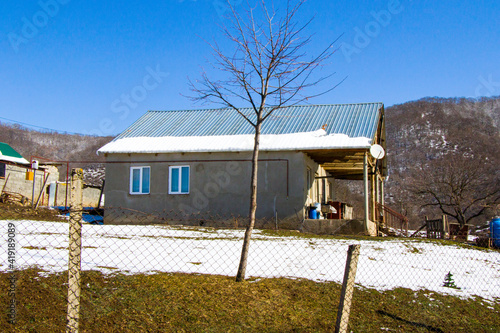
90	195
15	176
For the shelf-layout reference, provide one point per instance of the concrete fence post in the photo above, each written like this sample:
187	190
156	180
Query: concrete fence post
75	251
347	289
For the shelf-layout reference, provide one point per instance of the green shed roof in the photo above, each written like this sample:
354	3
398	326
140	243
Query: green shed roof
9	154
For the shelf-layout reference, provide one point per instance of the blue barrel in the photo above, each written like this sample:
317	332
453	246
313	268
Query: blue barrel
495	231
313	214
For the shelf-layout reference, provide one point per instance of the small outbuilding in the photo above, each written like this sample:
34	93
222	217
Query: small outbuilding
19	182
198	162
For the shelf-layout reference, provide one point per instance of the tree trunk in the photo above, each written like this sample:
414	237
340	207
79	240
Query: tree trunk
240	276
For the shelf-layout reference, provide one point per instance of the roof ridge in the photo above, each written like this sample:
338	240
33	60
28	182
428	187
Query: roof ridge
302	105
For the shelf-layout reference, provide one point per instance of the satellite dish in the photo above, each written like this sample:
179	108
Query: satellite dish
377	151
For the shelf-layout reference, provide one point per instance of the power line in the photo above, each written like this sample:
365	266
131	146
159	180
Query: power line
44	128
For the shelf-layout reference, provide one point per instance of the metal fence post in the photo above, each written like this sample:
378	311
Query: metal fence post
347	289
75	251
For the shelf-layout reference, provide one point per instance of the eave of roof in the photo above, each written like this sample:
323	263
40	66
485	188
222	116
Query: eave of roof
9	154
236	143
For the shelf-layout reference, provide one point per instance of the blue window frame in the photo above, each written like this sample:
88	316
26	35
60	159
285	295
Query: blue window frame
178	179
140	178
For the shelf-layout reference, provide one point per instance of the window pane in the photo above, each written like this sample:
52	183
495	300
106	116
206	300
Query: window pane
174	180
136	176
185	180
2	170
145	180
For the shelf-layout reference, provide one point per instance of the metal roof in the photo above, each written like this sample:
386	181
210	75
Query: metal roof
7	153
354	120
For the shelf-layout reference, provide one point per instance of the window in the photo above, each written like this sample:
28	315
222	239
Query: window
2	170
178	179
139	180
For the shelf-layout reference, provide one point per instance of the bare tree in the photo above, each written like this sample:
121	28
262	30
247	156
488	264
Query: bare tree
462	187
267	69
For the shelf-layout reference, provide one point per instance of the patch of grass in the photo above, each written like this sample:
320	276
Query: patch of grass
298	234
34	248
45	233
168	302
107	267
413	249
114	236
194	228
187	237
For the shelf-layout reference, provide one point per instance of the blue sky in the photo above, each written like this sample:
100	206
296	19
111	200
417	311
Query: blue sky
94	67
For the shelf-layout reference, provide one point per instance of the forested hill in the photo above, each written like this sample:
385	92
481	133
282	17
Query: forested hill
52	145
456	137
425	129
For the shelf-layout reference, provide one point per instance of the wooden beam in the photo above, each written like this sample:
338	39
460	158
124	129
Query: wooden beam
366	193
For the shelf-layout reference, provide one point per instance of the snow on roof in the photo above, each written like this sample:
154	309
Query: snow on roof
14	159
225	143
9	154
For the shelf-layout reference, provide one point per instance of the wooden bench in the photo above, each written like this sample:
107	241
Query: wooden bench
438	228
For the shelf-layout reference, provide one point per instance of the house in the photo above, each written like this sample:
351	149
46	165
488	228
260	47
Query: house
19	182
198	162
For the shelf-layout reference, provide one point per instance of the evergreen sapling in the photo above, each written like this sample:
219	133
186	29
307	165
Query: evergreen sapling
449	282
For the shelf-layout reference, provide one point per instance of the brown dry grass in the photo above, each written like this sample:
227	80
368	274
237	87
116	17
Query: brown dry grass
18	212
206	303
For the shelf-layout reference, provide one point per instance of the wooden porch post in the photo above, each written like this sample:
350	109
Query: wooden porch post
377	188
374	194
382	199
366	192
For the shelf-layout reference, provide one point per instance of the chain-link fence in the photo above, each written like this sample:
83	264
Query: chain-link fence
66	269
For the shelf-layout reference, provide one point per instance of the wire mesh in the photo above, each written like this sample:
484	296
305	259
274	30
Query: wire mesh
130	242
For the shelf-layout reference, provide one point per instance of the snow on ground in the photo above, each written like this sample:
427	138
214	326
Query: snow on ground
387	264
